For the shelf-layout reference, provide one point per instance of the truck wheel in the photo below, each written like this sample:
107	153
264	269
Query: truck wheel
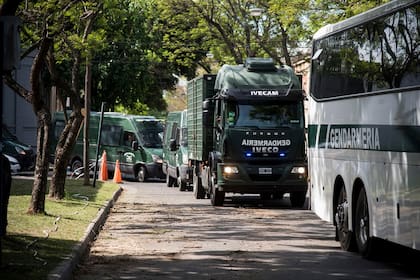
141	175
297	199
217	197
198	190
169	181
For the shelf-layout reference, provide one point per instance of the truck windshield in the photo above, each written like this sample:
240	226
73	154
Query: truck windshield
149	132
264	115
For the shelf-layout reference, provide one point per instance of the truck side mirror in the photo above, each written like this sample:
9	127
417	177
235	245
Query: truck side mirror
172	145
208	108
134	145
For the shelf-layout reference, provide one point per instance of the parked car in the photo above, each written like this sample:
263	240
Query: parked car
23	153
14	164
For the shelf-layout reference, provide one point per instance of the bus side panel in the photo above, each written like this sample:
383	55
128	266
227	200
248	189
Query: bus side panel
391	178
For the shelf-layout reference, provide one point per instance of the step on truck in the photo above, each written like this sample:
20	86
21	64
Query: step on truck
246	132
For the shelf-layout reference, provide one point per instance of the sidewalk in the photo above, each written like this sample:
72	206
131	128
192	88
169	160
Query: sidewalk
64	271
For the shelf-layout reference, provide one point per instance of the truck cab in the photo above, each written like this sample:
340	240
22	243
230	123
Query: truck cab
256	119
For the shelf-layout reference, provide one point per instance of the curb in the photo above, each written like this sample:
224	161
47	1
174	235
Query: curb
64	271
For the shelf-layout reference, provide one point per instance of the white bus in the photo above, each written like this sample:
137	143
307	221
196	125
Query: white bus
364	127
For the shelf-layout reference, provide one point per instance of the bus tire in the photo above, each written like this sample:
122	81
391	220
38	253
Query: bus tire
342	223
362	226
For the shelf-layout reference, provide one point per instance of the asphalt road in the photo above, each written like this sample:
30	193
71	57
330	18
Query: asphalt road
155	232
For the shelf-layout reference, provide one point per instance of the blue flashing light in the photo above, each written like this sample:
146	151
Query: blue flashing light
248	154
282	154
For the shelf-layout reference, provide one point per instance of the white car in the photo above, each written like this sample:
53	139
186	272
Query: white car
14	164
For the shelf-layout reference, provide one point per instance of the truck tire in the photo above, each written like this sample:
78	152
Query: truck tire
198	190
217	197
298	199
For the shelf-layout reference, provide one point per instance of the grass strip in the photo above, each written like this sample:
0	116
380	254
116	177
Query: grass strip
36	244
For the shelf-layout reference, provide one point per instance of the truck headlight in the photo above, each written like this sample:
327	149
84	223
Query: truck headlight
298	170
156	158
230	170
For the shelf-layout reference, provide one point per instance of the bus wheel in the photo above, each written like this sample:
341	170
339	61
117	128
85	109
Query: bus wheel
217	197
345	236
297	199
141	175
363	240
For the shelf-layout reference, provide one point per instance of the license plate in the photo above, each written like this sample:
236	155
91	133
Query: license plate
265	171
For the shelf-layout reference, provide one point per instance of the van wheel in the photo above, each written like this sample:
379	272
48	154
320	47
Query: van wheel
77	163
181	184
141	175
169	181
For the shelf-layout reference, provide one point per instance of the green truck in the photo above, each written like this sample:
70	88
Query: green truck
175	151
246	132
136	141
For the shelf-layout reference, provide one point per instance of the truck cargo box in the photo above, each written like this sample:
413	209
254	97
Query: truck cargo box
199	138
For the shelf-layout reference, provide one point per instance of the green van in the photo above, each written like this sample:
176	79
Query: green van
135	141
175	151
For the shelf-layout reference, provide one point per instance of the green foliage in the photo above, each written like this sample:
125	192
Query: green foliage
128	71
135	109
136	45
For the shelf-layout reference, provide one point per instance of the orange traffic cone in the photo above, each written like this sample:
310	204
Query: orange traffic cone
103	172
117	173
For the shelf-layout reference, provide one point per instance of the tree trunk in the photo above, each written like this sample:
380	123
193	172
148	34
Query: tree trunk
37	204
63	153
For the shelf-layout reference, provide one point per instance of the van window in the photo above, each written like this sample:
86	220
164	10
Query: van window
128	138
111	135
